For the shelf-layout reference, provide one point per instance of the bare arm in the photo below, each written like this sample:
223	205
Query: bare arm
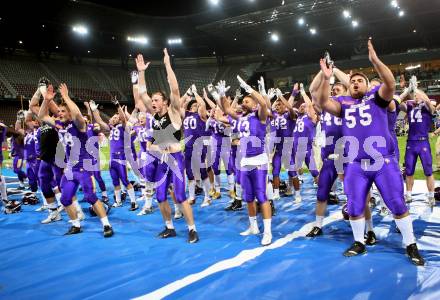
142	88
201	107
289	107
293	94
77	117
342	77
425	98
96	115
388	87
172	81
323	92
43	113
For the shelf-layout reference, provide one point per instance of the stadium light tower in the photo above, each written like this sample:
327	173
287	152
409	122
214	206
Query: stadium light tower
274	37
214	2
80	29
175	41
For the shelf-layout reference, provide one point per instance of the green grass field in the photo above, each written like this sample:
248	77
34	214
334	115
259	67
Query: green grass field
402	143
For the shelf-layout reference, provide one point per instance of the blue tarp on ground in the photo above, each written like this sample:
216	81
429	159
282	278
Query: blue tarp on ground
38	262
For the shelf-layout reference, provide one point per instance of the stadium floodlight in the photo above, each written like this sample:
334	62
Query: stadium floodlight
138	39
175	41
346	14
214	2
401	13
354	23
301	21
274	37
312	31
80	29
394	4
20	42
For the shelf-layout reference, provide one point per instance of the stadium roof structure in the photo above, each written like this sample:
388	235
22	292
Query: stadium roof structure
304	29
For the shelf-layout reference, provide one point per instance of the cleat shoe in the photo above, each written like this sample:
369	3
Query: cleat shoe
178	215
272	207
134	206
413	253
232	194
41	208
192	201
355	249
145	211
117	204
193	237
216	195
108	231
234	206
288	193
206	202
104	199
316	231
54	216
167	233
211	192
123	196
73	230
267	239
250	231
199	190
333	199
370	238
298	199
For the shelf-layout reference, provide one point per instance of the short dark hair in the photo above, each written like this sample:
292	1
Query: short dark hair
362	75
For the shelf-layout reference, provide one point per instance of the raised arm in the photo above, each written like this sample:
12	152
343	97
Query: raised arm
388	87
96	115
420	94
77	117
43	113
293	94
201	105
323	92
142	88
286	103
172	81
214	94
121	113
262	109
89	112
310	109
343	78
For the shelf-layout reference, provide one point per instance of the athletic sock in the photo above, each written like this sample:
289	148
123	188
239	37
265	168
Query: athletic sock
231	182
253	222
105	221
319	221
269	191
238	191
206	187
217	181
77	206
58	198
131	195
3	190
104	194
267	223
169	224
369	224
118	196
358	228
406	228
192	189
76	223
192	227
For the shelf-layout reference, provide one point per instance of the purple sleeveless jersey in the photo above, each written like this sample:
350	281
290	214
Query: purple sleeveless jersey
117	138
29	146
74	141
332	126
304	127
284	127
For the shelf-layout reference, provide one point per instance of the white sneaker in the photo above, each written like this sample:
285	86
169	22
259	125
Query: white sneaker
206	202
408	198
60	208
41	208
276	195
53	217
431	201
178	214
81	215
298	199
250	231
384	211
117	204
145	211
267	239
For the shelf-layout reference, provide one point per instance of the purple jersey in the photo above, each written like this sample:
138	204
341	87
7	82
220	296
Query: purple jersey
419	119
304	128
332	127
74	142
252	134
142	135
284	126
193	127
93	133
29	146
117	138
219	131
366	120
17	146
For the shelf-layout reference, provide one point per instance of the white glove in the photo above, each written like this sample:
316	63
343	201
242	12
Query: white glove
301	89
271	93
213	92
222	88
413	84
244	85
238	93
93	105
134	77
261	87
278	93
193	89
